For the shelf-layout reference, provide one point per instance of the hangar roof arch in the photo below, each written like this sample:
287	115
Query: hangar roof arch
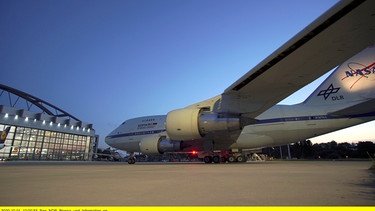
15	98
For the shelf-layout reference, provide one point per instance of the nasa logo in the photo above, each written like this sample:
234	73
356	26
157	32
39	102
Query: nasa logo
363	72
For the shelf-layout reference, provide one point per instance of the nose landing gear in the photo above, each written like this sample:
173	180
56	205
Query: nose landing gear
131	159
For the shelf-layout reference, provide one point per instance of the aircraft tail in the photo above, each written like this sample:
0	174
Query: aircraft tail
353	82
4	135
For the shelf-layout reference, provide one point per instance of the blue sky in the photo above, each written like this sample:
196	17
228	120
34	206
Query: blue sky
108	61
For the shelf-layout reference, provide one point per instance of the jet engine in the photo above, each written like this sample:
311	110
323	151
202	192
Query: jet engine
158	145
192	123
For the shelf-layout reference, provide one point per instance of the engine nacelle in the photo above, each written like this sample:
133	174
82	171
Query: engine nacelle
210	122
191	123
158	145
182	124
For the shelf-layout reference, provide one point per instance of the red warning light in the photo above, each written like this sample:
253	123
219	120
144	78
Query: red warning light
194	152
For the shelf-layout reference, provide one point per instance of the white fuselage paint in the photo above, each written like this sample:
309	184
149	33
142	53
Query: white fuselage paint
282	124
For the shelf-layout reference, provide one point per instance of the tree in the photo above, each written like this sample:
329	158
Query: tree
365	149
345	150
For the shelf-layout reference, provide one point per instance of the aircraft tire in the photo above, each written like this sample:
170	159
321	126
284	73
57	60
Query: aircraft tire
216	159
131	161
231	159
240	159
207	159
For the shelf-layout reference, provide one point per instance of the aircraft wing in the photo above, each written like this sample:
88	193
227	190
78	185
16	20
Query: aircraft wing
342	31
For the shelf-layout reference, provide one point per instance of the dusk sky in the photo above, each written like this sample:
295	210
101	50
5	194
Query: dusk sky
108	61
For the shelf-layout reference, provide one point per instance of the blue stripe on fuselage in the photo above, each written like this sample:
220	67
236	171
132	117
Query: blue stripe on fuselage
148	132
293	119
306	118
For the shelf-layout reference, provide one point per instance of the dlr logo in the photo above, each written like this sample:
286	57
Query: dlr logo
335	98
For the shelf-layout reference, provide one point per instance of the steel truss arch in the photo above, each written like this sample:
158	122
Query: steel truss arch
31	100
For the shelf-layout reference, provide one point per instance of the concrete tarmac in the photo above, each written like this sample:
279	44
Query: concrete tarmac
255	183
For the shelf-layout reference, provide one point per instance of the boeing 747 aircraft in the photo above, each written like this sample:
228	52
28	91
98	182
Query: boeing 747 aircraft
246	114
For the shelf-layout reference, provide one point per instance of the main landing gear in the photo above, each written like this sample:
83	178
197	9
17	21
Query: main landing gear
225	157
210	159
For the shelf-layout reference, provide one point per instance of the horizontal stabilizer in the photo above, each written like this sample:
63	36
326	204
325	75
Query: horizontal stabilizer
362	108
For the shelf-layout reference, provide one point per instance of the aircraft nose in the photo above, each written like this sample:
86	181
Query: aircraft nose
108	140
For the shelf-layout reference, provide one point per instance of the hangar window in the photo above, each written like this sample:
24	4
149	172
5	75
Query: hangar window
29	143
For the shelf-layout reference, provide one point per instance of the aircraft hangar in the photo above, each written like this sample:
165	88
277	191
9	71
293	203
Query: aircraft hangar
34	129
